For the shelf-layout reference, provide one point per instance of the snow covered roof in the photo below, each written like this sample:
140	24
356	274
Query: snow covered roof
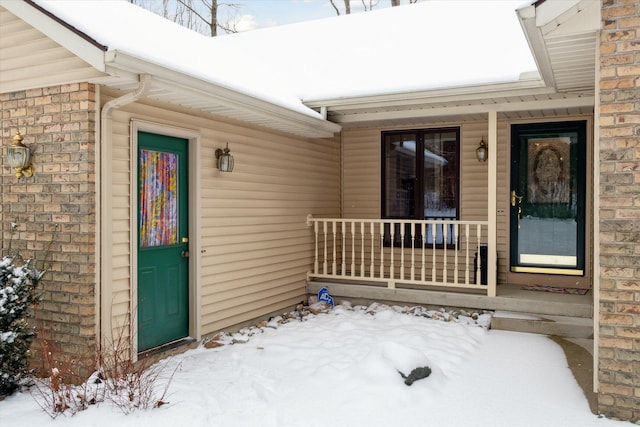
272	76
427	45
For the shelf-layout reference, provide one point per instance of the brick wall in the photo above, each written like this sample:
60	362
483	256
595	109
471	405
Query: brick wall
56	208
619	364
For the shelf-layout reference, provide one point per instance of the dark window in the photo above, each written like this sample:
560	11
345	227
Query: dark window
421	179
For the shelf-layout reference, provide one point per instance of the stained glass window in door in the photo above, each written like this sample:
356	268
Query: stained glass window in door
158	198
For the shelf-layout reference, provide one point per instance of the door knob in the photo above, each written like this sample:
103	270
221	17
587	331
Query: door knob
185	254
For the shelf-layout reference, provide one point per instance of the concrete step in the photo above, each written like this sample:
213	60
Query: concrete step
563	326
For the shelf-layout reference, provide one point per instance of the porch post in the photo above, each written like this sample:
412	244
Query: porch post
492	205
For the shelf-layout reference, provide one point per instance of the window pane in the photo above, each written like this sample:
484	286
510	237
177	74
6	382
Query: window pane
400	175
441	180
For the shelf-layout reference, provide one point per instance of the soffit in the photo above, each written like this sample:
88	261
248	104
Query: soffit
564	37
471	106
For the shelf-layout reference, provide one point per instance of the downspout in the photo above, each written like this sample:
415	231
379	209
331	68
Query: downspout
105	217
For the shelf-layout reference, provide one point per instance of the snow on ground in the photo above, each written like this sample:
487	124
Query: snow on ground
341	368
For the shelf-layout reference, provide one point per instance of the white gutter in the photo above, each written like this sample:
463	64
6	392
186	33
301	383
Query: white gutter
105	255
425	111
529	84
262	109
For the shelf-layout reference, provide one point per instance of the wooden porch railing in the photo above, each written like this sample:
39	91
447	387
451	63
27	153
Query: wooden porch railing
429	253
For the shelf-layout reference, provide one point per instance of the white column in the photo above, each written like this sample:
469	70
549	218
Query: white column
492	204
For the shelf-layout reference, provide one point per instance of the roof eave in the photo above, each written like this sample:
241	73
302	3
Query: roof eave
531	84
535	39
260	111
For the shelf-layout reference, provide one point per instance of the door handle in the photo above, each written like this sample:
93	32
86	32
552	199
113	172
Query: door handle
515	198
185	254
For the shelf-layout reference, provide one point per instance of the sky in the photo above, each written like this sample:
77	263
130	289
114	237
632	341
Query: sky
255	14
344	367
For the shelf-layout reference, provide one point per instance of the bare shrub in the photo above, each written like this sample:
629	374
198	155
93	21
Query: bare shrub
57	394
126	384
132	385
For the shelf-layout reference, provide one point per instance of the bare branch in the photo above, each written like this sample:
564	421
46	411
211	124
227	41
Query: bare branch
188	4
334	6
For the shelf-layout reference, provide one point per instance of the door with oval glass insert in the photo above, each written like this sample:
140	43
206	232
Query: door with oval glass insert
548	198
163	264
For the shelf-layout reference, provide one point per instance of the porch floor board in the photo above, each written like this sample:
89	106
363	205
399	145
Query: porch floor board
510	298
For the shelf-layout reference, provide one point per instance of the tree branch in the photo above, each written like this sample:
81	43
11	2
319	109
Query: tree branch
334	6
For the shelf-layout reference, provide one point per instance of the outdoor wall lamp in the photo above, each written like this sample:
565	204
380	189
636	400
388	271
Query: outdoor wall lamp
225	160
482	152
19	157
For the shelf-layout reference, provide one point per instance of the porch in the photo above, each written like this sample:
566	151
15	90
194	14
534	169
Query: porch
434	263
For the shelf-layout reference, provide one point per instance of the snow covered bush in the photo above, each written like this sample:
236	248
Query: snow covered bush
17	295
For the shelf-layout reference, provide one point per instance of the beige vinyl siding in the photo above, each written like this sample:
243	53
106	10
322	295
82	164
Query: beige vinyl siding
29	59
119	204
361	150
255	245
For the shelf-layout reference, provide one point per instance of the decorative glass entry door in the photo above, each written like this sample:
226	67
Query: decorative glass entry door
163	265
548	192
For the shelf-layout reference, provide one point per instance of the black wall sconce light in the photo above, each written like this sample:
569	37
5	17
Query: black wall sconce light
482	152
225	160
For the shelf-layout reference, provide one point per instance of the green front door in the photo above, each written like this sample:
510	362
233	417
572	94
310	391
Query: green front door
163	263
548	198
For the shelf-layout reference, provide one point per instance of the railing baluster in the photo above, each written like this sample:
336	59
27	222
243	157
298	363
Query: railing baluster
373	241
434	276
324	232
445	235
424	249
466	262
334	266
353	248
382	250
479	259
456	233
343	233
402	225
392	270
362	269
413	251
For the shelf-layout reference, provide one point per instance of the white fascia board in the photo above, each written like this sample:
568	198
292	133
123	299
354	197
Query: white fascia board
533	86
543	104
222	95
56	31
535	39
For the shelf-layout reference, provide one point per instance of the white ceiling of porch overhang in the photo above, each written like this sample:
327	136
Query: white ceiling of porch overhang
526	104
563	36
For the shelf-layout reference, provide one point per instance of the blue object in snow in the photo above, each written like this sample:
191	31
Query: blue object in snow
323	296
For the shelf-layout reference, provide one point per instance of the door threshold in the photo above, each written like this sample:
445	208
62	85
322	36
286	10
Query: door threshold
173	347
